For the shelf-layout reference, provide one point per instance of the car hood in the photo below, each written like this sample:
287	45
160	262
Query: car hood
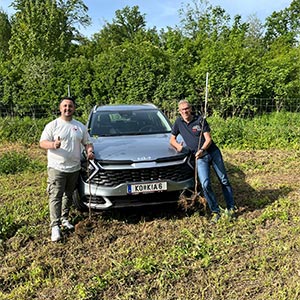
142	148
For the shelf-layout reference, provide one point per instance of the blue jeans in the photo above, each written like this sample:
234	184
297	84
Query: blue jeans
203	168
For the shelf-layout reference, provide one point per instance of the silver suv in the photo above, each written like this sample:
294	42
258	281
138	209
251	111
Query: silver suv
134	163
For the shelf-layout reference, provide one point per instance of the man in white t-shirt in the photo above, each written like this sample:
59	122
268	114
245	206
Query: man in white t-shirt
63	138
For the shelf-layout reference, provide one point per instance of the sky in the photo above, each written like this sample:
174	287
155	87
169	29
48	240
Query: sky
163	13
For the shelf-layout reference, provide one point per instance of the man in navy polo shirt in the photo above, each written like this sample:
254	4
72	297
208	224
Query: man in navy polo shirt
195	132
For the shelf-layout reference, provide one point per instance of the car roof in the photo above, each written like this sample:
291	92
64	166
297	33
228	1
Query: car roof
128	107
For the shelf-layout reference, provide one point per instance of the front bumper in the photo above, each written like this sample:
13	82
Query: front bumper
104	184
99	197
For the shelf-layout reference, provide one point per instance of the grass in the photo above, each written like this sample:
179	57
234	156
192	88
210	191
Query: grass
161	253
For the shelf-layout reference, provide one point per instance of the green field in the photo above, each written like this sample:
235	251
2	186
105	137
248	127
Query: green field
161	253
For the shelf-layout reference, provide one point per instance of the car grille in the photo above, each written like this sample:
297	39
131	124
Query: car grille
110	178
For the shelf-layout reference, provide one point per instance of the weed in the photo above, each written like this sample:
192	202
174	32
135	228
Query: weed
13	162
7	225
279	209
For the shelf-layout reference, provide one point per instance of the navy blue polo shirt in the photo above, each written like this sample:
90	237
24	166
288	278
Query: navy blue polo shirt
190	132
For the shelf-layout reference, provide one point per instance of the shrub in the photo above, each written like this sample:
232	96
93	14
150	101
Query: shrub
16	129
14	162
274	130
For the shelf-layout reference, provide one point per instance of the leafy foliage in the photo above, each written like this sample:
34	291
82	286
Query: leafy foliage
277	130
127	24
142	68
126	62
5	35
13	162
25	129
45	28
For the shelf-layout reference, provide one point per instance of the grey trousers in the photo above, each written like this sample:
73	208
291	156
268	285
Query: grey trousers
60	189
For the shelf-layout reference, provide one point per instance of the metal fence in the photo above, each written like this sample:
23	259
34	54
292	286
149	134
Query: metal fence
244	109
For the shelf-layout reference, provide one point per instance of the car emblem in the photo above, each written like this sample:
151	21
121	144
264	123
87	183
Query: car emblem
144	158
94	168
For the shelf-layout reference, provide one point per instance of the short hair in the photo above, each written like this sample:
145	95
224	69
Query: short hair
184	101
67	98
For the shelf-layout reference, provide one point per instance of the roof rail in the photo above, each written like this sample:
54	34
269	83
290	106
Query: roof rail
95	108
150	104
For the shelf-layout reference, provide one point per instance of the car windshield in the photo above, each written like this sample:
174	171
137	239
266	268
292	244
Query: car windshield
127	122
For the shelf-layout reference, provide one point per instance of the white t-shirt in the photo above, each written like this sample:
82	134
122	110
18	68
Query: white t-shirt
72	134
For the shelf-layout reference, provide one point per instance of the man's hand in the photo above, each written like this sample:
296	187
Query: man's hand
179	147
57	143
175	144
90	155
199	153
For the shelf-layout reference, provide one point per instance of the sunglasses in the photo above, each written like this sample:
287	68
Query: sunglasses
184	108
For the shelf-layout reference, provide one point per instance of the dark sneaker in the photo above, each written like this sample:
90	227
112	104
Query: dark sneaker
230	213
215	218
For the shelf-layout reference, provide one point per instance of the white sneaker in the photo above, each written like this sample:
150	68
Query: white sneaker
67	224
55	235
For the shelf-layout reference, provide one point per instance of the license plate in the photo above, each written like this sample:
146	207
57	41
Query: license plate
146	187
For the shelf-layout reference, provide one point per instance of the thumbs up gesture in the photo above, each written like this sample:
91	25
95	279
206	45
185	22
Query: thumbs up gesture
57	143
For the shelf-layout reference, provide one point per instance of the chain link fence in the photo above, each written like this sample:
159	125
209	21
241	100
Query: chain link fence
243	109
246	109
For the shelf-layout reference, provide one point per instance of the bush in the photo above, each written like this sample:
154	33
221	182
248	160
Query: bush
26	130
14	162
275	130
16	129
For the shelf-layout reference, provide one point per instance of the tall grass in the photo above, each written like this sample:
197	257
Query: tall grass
275	130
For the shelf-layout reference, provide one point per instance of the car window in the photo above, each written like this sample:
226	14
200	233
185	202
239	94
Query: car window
127	122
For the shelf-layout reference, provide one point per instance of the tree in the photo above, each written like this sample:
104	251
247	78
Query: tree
282	72
284	24
124	27
77	72
45	28
177	82
255	32
129	73
294	15
5	35
202	19
36	74
233	67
